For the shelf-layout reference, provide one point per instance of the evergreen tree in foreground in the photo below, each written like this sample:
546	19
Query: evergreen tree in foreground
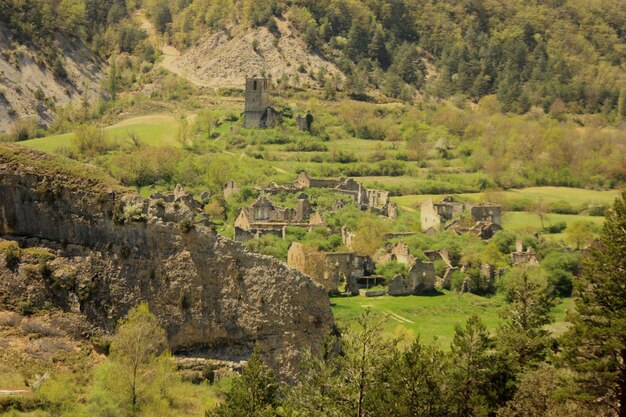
595	345
254	394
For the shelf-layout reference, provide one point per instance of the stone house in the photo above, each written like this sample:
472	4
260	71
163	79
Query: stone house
303	180
521	256
434	215
331	269
420	279
258	114
483	220
488	213
399	253
263	217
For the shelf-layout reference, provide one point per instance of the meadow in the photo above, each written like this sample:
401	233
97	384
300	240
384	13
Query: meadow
433	317
152	130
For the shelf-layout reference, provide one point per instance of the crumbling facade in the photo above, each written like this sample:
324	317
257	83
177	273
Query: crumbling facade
230	188
304	122
420	279
263	217
521	256
376	201
258	114
332	269
483	220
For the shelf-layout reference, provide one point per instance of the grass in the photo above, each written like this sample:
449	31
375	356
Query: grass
432	317
577	197
522	221
154	130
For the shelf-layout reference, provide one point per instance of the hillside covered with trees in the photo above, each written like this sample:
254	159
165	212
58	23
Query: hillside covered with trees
560	54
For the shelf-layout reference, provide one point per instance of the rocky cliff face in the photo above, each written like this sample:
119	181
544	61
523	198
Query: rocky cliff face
29	89
111	250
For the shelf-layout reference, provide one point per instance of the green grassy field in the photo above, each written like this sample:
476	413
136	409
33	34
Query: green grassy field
574	196
153	130
432	317
521	221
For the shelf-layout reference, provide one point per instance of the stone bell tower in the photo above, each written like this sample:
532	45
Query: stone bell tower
257	102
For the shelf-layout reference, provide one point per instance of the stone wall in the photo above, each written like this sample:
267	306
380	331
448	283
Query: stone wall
420	279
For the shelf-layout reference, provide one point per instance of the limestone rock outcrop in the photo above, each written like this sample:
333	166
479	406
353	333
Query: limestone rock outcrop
112	250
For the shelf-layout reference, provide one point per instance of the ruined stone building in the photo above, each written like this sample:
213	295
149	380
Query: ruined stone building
263	217
258	114
230	188
333	270
304	122
399	253
303	180
483	221
521	256
420	277
434	215
376	201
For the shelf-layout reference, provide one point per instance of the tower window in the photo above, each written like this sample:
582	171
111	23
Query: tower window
254	88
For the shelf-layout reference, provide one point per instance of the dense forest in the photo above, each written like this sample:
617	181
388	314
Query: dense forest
562	55
542	53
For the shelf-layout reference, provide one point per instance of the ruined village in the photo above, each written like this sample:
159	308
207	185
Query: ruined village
390	269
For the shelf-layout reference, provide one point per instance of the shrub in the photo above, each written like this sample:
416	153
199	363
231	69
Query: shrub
12	257
185	226
118	213
24	129
562	207
556	227
307	146
134	213
596	210
91	140
26	308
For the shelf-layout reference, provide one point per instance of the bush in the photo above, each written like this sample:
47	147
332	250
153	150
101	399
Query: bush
562	207
12	257
134	213
24	129
596	210
556	227
561	268
26	308
390	269
307	146
91	140
185	226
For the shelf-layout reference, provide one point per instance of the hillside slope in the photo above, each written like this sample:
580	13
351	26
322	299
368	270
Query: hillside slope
29	88
227	57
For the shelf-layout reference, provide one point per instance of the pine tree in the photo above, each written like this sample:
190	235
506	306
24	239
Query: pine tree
470	368
416	384
377	48
595	345
523	337
254	394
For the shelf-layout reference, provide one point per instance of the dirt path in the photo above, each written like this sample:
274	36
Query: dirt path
282	171
398	317
169	53
13	391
